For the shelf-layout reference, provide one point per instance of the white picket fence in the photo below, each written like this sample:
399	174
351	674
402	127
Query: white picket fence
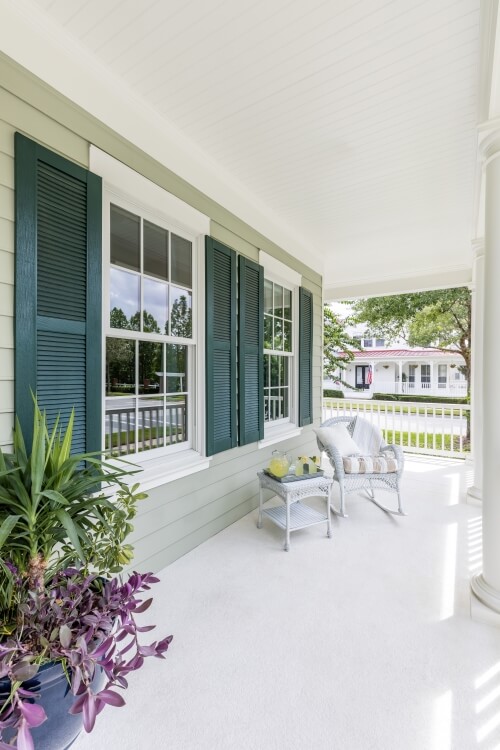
435	429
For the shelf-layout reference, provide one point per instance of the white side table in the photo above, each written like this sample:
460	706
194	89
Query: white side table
294	514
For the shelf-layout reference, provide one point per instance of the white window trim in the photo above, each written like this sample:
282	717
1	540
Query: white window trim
123	182
279	273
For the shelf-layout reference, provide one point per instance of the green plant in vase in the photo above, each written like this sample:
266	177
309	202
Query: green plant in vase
64	520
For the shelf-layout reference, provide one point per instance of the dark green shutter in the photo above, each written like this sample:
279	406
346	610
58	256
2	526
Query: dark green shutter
305	356
250	351
58	291
220	275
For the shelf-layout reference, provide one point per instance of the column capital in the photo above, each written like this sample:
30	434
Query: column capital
489	146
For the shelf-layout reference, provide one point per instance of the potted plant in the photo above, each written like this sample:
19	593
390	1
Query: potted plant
68	634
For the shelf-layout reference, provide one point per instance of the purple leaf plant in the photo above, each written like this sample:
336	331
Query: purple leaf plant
88	625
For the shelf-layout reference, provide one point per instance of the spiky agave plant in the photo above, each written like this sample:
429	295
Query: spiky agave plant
55	509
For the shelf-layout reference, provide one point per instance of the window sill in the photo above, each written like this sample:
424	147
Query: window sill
164	469
279	433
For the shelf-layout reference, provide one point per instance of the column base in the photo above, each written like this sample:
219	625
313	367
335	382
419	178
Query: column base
486	594
474	495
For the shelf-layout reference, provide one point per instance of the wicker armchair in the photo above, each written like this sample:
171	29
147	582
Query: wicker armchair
369	482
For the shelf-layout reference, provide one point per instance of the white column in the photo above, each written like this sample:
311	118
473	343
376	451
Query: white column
400	365
477	354
431	384
486	585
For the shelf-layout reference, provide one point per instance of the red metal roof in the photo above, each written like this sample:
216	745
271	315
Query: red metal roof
399	353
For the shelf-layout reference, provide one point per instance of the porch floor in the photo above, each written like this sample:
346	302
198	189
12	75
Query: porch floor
359	642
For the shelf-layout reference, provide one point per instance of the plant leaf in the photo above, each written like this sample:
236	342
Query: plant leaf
6	528
70	527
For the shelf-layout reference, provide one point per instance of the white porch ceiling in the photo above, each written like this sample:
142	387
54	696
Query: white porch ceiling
352	121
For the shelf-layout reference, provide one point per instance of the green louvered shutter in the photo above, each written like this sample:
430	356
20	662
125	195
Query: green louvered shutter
305	356
250	351
220	275
58	291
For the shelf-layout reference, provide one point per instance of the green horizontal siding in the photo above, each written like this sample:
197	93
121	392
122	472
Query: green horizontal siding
187	512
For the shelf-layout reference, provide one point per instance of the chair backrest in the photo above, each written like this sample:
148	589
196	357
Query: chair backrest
366	435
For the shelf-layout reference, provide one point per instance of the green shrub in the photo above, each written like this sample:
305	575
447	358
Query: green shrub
331	393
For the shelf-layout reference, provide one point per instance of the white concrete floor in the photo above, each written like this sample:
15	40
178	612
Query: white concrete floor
359	642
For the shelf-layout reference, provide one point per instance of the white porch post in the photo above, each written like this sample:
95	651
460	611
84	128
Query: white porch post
476	384
431	384
486	585
400	365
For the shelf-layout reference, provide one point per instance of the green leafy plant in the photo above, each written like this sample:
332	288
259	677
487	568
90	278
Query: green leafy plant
64	519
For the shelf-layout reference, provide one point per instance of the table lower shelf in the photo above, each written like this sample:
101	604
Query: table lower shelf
301	516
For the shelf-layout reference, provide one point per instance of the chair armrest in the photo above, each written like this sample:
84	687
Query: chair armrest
398	452
334	456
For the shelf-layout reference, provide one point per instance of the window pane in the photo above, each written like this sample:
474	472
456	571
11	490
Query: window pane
150	367
124	299
120	396
155	251
274	404
268	296
176	374
284	371
278	334
267	371
287	336
284	397
180	313
120	367
151	424
182	261
268	332
380	342
278	300
155	301
125	239
275	370
176	421
367	343
287	311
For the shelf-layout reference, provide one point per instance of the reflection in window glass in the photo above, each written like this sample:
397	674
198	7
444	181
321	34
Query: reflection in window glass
120	367
125	299
155	251
180	313
176	423
150	432
268	332
182	263
278	300
176	371
268	296
287	336
125	239
155	301
278	334
287	304
150	367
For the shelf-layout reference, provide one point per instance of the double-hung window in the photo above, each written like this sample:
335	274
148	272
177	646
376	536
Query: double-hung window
149	358
278	352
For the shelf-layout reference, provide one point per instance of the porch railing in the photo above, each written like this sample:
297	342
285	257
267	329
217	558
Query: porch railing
435	429
123	436
456	388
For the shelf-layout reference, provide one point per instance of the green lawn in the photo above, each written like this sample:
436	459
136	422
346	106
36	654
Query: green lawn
425	440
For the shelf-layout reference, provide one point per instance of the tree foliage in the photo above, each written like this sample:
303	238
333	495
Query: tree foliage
338	346
438	320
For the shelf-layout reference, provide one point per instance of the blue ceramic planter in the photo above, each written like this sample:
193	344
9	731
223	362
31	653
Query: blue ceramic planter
61	728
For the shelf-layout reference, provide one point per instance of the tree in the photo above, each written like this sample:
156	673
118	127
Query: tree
180	319
338	346
438	320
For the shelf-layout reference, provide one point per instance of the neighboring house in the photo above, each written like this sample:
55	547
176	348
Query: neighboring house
402	370
186	340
